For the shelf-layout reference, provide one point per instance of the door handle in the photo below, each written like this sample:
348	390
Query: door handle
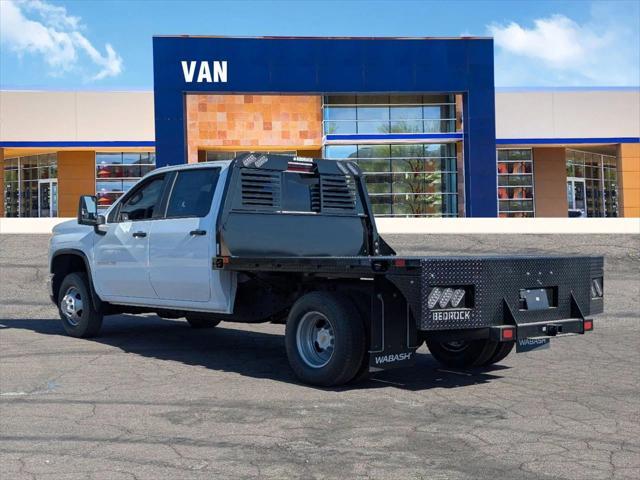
197	232
140	234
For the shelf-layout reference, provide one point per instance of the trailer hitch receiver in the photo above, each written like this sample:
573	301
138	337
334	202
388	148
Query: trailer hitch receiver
552	330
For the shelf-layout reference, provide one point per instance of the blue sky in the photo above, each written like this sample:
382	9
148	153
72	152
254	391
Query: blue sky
89	44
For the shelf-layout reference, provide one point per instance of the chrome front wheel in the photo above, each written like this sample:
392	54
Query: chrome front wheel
72	306
79	316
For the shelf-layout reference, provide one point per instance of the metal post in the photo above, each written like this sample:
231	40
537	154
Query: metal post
604	209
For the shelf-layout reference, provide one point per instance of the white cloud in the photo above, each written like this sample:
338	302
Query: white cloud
557	40
40	28
557	50
53	15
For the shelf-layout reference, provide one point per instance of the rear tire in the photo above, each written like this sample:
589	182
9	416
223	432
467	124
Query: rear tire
201	322
501	353
79	317
325	339
462	354
362	374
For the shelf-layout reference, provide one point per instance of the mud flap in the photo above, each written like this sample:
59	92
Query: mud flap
393	341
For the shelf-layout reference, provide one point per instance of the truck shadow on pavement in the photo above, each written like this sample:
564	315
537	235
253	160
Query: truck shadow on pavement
246	352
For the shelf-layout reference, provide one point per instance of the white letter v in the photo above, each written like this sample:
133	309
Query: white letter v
188	71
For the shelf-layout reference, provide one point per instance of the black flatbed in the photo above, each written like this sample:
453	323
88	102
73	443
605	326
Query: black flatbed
368	265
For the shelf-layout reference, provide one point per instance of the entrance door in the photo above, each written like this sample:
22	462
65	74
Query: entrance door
47	198
576	197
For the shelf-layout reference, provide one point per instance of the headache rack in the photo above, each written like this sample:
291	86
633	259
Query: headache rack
311	200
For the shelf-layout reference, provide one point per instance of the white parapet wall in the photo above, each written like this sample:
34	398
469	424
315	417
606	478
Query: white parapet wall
509	225
29	225
420	226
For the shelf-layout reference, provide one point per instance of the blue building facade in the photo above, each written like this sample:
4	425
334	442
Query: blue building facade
418	114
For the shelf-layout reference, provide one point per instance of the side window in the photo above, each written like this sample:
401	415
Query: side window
192	193
143	202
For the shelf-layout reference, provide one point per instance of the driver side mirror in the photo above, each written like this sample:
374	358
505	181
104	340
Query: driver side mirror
88	211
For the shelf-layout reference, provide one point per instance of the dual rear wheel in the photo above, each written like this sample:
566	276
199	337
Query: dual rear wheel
325	339
326	343
469	354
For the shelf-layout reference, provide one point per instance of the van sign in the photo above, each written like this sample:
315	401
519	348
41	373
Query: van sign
204	72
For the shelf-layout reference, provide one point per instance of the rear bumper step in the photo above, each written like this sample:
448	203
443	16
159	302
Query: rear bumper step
556	328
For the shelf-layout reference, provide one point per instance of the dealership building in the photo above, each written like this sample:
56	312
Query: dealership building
421	117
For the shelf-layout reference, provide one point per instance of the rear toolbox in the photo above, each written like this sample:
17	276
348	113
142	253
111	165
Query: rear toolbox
496	291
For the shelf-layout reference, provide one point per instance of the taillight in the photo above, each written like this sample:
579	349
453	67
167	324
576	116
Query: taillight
507	334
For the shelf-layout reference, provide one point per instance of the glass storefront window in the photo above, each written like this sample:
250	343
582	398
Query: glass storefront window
404	113
340	152
116	172
597	174
30	186
415	180
515	183
375	114
375	165
340	120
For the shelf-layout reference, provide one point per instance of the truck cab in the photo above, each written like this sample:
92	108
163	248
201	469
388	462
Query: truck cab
154	246
270	238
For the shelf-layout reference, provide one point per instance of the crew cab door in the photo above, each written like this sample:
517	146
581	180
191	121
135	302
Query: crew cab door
121	254
182	244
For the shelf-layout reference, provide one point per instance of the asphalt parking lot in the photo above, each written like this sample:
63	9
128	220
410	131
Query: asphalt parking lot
153	399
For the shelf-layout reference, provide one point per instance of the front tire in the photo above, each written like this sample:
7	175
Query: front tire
79	316
325	339
462	353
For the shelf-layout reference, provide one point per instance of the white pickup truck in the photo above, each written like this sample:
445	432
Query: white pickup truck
272	238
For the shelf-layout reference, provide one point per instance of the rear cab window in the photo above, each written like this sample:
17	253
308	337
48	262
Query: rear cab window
192	193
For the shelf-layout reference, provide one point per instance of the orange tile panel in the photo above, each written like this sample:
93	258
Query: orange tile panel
76	176
630	180
632	212
550	182
629	164
630	149
631	198
282	121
